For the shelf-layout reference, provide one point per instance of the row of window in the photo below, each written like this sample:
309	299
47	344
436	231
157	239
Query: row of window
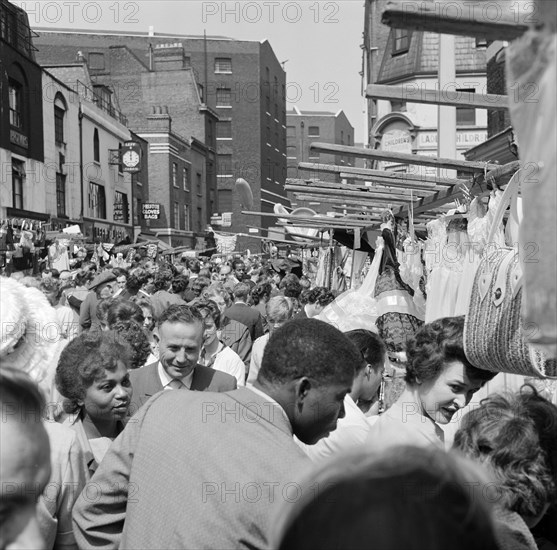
183	223
402	37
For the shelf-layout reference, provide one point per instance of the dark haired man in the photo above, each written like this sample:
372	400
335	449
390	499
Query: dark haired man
212	467
24	460
243	313
179	335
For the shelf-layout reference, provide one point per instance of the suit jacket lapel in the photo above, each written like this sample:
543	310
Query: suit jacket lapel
153	383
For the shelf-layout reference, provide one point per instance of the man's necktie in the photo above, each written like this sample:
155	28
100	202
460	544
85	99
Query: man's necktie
177	384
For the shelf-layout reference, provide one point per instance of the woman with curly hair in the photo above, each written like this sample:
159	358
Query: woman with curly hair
92	376
260	296
314	301
439	382
544	414
134	334
502	436
215	353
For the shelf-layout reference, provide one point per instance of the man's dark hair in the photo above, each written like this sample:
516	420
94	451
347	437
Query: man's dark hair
180	314
371	346
20	396
308	347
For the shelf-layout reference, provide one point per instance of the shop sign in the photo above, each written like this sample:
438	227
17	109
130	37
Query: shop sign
151	211
118	212
226	219
465	139
396	141
130	155
19	139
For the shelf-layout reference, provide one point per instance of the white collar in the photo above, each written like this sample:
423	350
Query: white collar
268	398
166	380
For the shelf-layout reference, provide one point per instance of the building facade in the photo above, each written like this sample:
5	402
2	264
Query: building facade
227	94
305	127
411	59
21	120
104	189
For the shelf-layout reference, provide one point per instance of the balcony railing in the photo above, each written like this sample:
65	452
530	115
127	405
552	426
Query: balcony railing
103	103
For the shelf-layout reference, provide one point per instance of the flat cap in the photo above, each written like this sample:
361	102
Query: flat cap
101	279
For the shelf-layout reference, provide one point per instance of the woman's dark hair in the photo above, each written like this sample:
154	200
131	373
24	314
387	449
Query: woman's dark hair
180	283
163	278
257	292
84	360
193	265
371	346
124	310
102	310
435	345
136	279
200	283
290	286
318	295
208	308
544	415
133	333
84	276
119	271
501	435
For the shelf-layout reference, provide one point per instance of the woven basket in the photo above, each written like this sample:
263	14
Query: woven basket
494	332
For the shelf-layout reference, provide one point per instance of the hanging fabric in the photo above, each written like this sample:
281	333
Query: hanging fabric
532	73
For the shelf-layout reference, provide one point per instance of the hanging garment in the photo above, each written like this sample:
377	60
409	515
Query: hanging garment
446	277
398	318
532	72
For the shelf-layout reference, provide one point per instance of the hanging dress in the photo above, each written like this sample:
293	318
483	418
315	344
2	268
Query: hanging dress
398	318
446	276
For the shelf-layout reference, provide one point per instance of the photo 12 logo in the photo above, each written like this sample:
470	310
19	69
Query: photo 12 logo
270	12
75	13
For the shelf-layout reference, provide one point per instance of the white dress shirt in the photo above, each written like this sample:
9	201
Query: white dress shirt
226	360
167	381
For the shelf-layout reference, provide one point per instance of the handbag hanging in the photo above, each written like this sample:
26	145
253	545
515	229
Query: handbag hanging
495	337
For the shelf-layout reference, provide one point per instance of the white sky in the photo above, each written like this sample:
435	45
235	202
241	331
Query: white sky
320	39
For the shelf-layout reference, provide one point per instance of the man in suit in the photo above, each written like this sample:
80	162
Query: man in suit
243	313
232	333
207	470
179	335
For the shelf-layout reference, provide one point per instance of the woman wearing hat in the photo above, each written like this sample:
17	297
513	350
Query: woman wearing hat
92	376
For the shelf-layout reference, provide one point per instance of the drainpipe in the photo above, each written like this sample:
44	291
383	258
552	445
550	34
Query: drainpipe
81	163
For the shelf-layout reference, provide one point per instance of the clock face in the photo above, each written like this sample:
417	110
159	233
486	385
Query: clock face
130	159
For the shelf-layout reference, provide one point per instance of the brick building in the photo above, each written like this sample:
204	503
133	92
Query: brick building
227	94
57	142
21	120
305	127
500	146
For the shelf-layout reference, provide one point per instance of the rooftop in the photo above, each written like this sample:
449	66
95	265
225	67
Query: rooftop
147	34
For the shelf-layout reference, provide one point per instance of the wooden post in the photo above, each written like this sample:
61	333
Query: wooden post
446	115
